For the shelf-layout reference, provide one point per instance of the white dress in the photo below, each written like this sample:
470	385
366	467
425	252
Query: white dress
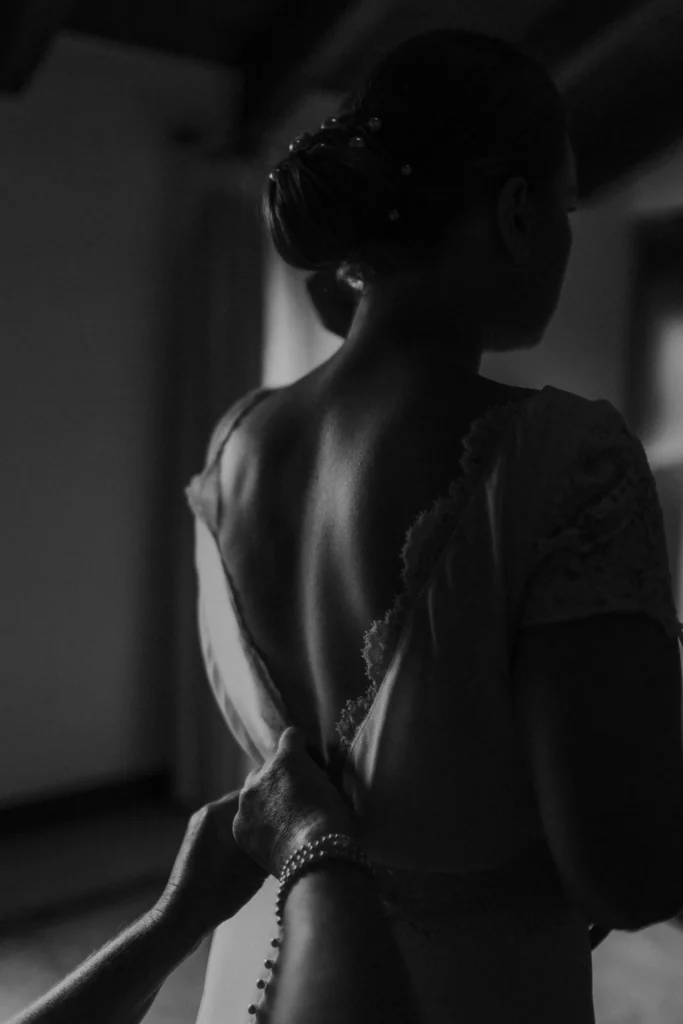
553	515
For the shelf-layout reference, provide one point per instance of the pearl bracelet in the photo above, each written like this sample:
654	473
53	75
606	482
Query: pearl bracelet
332	846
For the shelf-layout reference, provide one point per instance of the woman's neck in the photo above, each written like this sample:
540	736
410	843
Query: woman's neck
397	336
415	352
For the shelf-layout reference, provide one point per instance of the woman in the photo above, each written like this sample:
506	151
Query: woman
352	968
494	554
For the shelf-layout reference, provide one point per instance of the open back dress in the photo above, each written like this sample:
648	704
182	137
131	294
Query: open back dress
552	515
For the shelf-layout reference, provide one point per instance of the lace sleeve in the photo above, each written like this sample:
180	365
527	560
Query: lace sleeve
603	547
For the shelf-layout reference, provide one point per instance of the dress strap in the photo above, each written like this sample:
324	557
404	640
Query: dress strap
203	490
230	420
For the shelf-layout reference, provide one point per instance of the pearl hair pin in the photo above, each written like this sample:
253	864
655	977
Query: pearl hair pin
357	141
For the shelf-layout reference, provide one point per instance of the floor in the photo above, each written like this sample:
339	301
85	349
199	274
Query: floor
64	894
69	887
638	977
35	958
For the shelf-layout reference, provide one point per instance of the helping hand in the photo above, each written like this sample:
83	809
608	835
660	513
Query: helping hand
286	802
212	878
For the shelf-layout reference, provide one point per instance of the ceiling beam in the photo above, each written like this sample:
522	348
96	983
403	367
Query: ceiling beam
292	55
623	97
27	30
618	63
572	28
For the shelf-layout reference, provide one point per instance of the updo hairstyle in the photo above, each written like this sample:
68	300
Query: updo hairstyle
463	111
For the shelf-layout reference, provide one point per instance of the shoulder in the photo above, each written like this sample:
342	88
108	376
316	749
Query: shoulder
596	480
513	391
579	458
574	425
588	409
236	416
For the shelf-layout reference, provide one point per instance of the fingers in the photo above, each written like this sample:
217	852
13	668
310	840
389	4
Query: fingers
291	739
228	801
225	808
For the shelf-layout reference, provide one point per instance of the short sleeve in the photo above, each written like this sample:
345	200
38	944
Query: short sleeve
602	545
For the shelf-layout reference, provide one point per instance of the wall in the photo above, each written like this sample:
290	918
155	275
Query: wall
83	210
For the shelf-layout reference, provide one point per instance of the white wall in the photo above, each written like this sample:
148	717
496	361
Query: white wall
82	181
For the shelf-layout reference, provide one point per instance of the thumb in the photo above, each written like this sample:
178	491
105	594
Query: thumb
292	739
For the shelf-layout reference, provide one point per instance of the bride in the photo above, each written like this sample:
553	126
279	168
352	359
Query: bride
446	582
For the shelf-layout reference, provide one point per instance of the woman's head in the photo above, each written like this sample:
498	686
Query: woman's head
481	127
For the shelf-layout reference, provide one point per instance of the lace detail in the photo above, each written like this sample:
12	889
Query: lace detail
425	540
606	548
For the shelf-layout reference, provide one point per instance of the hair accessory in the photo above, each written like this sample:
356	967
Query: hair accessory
356	141
301	142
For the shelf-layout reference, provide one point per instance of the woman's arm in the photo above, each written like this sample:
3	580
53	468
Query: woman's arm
339	961
118	983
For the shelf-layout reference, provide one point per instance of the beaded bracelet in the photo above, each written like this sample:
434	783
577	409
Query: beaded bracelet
332	846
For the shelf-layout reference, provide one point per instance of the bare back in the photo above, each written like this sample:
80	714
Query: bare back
340	466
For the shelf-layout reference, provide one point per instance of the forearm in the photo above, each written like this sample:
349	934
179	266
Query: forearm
339	961
118	983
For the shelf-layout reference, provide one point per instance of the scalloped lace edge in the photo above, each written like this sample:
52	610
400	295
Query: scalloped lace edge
425	540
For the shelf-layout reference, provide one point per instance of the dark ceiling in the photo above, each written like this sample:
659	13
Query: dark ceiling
618	64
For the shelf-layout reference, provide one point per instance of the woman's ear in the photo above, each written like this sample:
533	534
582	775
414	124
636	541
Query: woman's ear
334	302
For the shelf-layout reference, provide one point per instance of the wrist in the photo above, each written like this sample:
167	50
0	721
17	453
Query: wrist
178	923
330	874
309	833
314	856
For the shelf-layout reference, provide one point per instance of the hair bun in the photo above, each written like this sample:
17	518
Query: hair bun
328	197
346	197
